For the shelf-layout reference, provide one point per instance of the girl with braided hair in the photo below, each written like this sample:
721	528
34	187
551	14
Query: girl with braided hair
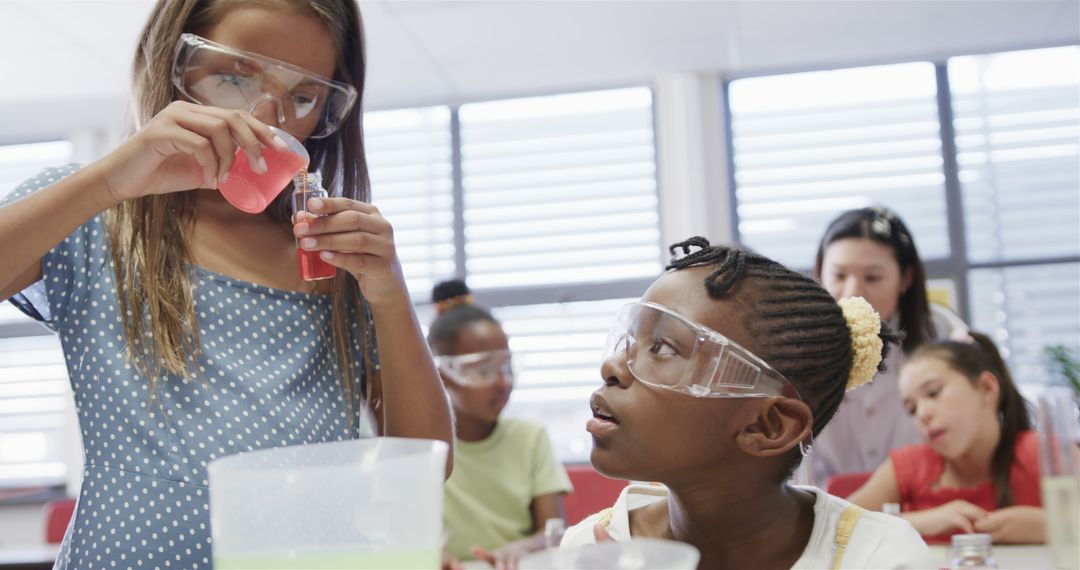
715	385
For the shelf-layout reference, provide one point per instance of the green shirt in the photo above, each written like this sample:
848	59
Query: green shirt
494	483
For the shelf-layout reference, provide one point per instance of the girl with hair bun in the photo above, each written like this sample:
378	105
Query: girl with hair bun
507	482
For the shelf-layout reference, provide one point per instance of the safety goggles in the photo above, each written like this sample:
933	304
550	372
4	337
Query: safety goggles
220	76
478	369
666	350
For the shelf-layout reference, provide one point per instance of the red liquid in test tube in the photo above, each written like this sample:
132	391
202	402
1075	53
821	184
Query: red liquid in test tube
308	185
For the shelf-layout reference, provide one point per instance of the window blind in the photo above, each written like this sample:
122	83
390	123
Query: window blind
34	391
1017	121
560	189
807	146
409	162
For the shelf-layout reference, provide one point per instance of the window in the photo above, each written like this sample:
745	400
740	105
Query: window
814	144
1017	122
561	227
409	160
558	347
808	146
35	395
560	189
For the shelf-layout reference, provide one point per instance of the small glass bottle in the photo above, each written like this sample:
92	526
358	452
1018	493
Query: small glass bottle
307	185
972	552
553	532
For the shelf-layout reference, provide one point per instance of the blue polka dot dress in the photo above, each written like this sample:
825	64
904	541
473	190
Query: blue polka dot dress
265	376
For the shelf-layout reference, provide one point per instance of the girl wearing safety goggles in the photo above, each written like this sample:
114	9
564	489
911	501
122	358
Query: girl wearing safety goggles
715	385
187	329
506	482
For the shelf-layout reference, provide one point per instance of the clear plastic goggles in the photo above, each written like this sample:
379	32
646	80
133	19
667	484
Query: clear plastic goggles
478	369
220	76
665	350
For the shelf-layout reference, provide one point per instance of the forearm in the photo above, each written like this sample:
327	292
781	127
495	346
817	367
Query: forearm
32	226
414	401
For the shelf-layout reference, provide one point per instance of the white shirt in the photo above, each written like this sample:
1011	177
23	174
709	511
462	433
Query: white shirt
879	540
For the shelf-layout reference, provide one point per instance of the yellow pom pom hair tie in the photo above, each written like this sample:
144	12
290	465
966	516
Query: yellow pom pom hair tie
447	304
866	343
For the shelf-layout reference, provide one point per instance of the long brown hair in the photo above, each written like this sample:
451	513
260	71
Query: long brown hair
972	359
885	227
147	235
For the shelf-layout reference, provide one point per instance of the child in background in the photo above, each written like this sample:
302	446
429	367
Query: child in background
187	330
870	253
506	482
979	468
715	385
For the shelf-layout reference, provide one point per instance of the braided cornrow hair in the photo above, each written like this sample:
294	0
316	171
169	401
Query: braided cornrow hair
799	328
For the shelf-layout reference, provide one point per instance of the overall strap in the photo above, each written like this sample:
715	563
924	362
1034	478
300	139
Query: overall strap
844	529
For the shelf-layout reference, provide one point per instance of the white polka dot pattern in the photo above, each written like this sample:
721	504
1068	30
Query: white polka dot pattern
266	376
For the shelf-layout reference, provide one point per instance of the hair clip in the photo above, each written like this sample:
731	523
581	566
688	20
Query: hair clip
447	304
882	225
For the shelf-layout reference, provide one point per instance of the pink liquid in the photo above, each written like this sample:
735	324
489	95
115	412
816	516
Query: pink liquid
252	192
312	267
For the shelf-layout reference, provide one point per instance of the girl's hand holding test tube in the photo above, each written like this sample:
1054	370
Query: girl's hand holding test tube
353	236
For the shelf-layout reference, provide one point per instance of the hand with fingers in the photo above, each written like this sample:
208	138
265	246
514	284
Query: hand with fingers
957	515
505	558
185	146
450	562
1015	525
354	236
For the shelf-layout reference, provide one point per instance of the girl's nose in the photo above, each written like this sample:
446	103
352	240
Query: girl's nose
853	287
616	371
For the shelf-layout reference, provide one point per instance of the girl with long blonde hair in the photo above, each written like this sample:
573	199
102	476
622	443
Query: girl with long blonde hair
187	329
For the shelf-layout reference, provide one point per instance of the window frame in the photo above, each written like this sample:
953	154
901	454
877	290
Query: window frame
957	266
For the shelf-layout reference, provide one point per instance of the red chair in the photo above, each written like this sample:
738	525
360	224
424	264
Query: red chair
58	514
844	484
592	492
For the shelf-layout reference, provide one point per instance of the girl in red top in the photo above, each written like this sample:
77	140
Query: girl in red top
979	468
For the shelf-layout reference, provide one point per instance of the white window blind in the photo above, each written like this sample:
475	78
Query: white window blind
560	189
558	349
1026	309
409	162
1017	121
808	146
35	395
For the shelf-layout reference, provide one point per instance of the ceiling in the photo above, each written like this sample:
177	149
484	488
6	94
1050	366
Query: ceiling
65	63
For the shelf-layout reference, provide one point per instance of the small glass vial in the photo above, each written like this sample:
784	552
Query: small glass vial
308	185
553	532
972	552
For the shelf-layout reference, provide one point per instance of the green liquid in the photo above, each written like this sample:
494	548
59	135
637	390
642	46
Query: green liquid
335	560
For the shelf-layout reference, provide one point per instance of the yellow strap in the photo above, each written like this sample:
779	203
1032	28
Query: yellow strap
844	529
605	517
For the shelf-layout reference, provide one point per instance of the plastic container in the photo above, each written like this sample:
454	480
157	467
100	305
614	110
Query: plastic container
554	529
1059	434
308	185
252	192
638	554
374	503
972	552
